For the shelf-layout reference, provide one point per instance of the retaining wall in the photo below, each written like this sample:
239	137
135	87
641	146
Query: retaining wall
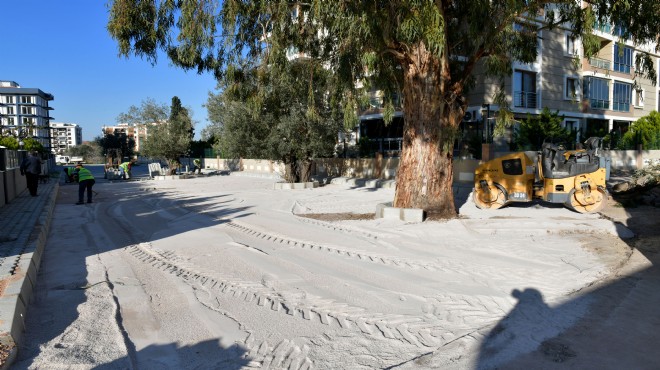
385	168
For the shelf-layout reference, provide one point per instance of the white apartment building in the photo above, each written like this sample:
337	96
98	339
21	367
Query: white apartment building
64	136
25	112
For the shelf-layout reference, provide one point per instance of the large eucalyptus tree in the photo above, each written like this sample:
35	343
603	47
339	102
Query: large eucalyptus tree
427	50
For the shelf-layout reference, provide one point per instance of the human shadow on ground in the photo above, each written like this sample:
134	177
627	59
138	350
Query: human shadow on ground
614	324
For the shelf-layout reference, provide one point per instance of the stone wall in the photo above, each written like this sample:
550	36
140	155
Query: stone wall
385	168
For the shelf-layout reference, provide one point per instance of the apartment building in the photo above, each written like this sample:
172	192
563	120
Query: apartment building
137	132
25	112
595	95
64	136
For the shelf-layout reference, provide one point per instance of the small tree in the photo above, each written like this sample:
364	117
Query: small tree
91	151
533	131
645	132
279	112
116	143
171	139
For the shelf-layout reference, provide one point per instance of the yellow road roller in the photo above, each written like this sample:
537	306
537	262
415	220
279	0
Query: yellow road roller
574	178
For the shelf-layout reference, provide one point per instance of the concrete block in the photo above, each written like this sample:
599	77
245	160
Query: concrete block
380	207
412	214
392	213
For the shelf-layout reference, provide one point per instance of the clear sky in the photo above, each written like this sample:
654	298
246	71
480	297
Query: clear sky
63	48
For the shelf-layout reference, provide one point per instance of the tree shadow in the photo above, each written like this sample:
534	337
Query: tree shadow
209	354
123	214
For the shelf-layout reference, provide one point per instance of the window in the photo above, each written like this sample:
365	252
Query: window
9	99
10	110
26	99
27	110
569	44
638	98
622	96
571	88
597	90
622	58
524	89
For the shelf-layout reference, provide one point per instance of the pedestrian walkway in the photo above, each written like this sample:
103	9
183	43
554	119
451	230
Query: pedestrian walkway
24	225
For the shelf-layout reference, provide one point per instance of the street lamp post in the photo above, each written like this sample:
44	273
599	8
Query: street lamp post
487	121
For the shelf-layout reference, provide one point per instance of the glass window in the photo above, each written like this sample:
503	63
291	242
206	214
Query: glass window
639	98
10	110
598	92
622	58
26	99
524	89
570	44
571	88
622	96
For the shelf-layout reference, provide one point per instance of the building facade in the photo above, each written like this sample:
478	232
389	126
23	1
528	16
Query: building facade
25	112
64	136
137	132
595	96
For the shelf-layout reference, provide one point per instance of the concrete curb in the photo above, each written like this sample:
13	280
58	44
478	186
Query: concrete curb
367	183
295	185
18	292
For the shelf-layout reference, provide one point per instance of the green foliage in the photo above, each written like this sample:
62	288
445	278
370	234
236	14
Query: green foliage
533	131
116	141
406	47
29	144
645	132
9	142
262	113
91	151
170	140
148	112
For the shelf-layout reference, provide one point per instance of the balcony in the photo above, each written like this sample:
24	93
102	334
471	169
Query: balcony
599	104
524	99
600	63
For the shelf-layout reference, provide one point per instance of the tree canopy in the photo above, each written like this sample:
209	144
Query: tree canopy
170	140
645	132
280	112
426	50
546	127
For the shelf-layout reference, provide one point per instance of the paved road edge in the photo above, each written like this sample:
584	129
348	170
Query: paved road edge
18	293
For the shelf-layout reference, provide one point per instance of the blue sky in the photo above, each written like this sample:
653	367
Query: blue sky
63	48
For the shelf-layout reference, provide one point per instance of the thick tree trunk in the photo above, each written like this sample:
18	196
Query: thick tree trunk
424	178
305	169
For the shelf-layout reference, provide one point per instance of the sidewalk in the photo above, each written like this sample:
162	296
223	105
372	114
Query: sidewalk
24	225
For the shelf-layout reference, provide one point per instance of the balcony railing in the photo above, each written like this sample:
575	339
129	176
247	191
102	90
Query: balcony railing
599	104
600	63
524	99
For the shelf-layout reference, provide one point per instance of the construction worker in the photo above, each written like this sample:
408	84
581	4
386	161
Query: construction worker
125	169
68	173
198	166
85	181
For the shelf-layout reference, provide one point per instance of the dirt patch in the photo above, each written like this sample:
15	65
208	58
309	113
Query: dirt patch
339	216
5	351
